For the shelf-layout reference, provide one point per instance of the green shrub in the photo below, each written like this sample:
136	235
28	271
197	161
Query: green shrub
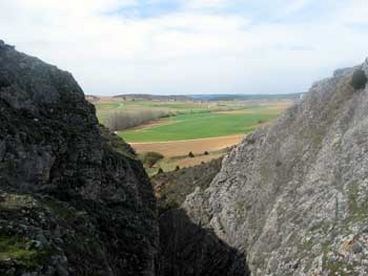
359	79
191	155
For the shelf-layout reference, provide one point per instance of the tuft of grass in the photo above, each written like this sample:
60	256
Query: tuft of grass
358	210
17	248
15	202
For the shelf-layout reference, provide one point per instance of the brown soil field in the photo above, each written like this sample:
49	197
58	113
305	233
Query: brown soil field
181	148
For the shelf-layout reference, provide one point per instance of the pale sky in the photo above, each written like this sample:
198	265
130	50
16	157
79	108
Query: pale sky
190	46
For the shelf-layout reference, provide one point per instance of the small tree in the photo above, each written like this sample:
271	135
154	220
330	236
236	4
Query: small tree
359	79
191	155
151	158
206	153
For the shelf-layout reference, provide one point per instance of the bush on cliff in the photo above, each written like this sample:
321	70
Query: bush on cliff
359	79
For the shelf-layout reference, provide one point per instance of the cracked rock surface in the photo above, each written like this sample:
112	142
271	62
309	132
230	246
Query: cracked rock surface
73	198
293	197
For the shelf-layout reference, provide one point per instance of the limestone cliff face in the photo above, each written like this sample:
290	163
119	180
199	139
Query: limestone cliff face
73	198
293	197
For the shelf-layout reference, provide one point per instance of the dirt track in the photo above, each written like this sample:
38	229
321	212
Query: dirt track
197	146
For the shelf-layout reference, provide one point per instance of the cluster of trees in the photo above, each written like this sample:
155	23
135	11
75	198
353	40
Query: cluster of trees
127	119
124	120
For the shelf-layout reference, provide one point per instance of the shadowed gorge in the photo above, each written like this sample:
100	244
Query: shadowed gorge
188	249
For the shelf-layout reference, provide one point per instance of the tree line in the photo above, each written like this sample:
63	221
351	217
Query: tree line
124	120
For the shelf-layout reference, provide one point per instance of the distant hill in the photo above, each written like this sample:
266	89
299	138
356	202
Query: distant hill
150	97
243	97
212	97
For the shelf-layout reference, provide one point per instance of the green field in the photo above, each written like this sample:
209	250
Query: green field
106	108
201	125
193	119
186	120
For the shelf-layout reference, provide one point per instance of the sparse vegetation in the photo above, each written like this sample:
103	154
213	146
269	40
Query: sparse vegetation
173	187
151	158
18	249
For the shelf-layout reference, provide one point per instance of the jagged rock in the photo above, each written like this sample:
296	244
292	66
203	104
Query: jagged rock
293	197
74	199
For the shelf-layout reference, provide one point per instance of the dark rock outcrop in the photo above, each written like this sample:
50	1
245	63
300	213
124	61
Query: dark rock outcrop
293	197
73	198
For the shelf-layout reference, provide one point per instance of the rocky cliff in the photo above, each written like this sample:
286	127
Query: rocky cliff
73	198
293	197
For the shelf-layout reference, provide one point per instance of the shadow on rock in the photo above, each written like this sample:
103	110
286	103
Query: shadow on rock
188	249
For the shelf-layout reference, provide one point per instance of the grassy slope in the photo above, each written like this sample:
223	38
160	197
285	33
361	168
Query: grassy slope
202	125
